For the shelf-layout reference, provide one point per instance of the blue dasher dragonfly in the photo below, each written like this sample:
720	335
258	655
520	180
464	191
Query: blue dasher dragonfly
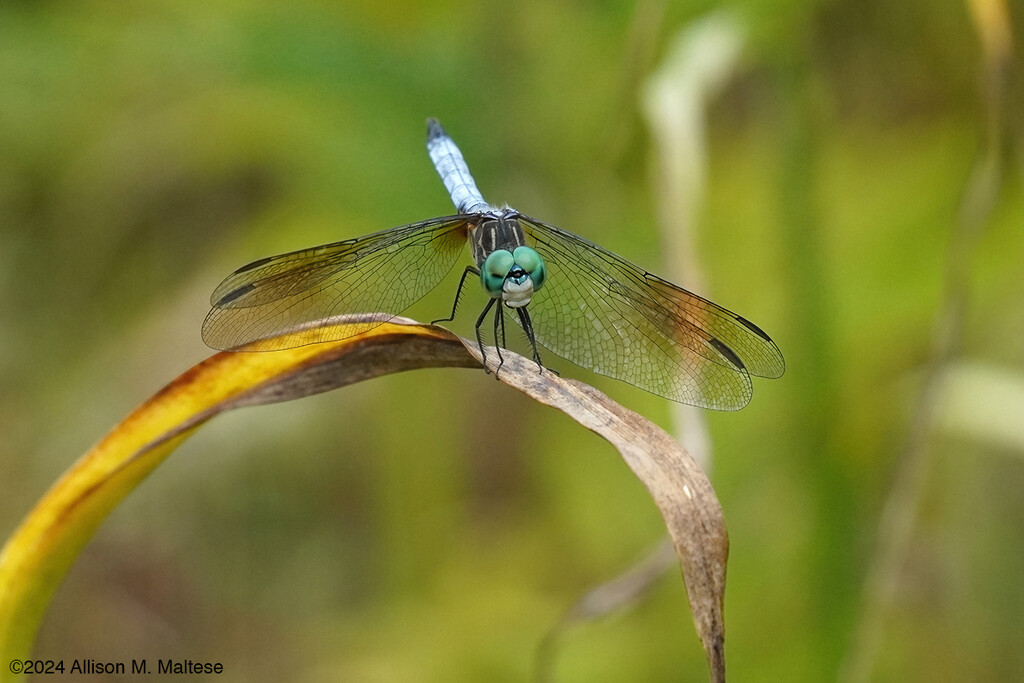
583	302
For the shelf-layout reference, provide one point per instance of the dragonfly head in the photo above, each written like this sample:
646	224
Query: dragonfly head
513	276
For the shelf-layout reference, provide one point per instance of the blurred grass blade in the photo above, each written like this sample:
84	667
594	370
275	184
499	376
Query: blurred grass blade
39	553
36	557
624	591
916	459
626	588
983	402
677	98
992	24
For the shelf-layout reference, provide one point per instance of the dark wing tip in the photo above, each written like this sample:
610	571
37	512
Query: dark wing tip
776	365
728	353
434	129
753	328
255	264
233	295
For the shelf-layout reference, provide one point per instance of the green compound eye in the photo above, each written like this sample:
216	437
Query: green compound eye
530	261
495	268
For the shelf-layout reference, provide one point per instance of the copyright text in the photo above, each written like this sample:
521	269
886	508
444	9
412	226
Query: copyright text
164	667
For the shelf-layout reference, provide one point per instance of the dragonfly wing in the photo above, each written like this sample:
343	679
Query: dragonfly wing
604	313
382	274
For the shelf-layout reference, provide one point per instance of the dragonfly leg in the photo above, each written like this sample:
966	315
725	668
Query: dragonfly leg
502	345
499	321
458	295
524	318
479	335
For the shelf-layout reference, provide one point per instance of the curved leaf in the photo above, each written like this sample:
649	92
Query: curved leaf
39	553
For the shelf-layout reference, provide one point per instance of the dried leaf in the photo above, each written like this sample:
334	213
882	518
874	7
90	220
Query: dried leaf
678	486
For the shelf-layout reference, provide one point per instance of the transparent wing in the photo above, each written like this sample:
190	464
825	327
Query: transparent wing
604	313
383	273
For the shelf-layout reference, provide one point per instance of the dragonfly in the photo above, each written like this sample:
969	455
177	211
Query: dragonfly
581	301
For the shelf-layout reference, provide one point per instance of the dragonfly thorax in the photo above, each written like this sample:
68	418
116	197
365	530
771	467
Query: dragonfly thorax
513	276
494	230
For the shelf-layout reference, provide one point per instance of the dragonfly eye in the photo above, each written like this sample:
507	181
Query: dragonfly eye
494	271
530	261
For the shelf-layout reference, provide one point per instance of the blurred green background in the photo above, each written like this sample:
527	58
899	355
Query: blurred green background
432	526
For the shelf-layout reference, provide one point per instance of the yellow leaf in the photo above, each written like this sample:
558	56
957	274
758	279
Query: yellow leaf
36	557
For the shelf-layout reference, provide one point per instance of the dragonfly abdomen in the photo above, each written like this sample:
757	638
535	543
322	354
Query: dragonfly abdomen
451	166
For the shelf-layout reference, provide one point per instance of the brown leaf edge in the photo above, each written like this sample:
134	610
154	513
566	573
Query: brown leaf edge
38	554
